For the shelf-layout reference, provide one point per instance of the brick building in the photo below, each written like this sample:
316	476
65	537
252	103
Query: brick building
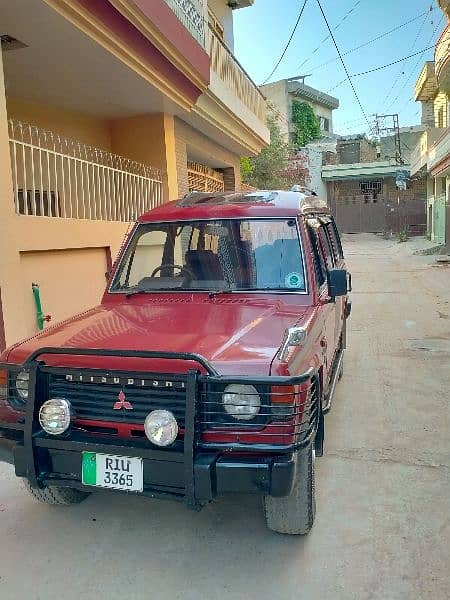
363	193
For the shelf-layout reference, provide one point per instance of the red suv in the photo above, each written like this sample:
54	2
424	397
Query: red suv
206	369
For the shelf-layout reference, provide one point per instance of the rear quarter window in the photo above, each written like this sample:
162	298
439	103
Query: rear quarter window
319	263
335	240
326	247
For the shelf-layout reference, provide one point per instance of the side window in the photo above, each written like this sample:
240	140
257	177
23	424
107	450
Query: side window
326	248
319	263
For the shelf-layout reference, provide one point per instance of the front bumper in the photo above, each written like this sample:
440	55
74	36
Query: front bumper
192	470
58	463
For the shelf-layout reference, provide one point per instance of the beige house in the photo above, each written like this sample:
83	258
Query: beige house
108	109
281	95
431	156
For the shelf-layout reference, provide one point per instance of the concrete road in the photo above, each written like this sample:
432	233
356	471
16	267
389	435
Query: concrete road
383	521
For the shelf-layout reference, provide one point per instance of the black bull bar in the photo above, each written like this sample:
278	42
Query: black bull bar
192	455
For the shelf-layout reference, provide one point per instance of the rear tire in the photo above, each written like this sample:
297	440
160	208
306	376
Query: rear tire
56	496
295	513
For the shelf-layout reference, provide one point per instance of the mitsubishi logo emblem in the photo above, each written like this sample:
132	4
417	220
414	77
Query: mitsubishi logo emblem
122	402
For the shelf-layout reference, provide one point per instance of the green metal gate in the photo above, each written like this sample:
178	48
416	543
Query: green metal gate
439	219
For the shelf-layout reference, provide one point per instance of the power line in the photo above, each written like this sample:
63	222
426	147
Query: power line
400	73
375	39
353	130
395	62
411	73
354	121
347	14
289	42
343	64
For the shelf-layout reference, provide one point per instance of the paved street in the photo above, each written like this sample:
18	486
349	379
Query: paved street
383	522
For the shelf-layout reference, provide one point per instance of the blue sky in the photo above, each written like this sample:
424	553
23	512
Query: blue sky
261	33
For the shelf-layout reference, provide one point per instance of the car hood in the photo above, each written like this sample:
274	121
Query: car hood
236	334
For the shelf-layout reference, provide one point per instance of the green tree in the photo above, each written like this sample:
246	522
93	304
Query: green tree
306	123
267	170
246	169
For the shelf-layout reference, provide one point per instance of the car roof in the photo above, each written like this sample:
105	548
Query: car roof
229	205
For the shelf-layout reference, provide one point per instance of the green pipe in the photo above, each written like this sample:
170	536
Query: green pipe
37	300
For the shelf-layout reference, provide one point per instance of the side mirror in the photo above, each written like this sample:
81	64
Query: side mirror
337	283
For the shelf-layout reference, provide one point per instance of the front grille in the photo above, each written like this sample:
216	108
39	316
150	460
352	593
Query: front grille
95	400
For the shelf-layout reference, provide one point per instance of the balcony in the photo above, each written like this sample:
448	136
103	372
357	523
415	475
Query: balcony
230	108
226	66
426	85
442	60
55	176
191	14
420	154
439	155
236	92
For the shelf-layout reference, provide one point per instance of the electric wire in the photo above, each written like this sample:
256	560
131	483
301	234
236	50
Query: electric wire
347	14
368	42
344	65
380	67
413	70
413	45
289	41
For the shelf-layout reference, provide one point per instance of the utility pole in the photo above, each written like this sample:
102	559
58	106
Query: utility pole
382	126
389	124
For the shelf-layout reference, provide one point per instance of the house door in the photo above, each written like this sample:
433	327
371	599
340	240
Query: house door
360	214
439	219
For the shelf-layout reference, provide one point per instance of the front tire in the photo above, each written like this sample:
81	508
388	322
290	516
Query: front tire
294	514
56	496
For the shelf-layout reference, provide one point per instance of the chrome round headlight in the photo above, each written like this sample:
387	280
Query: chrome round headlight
22	384
55	416
241	401
161	427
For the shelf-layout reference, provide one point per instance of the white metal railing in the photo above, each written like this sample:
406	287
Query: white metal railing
54	176
190	13
227	67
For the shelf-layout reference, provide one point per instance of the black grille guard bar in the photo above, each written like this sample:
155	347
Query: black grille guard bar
187	356
30	428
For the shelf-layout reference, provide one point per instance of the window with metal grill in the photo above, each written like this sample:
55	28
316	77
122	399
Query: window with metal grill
371	189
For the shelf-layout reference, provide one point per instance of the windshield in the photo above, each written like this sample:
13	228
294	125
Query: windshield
228	255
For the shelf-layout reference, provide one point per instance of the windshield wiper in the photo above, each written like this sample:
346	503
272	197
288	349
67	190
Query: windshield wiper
215	293
149	291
